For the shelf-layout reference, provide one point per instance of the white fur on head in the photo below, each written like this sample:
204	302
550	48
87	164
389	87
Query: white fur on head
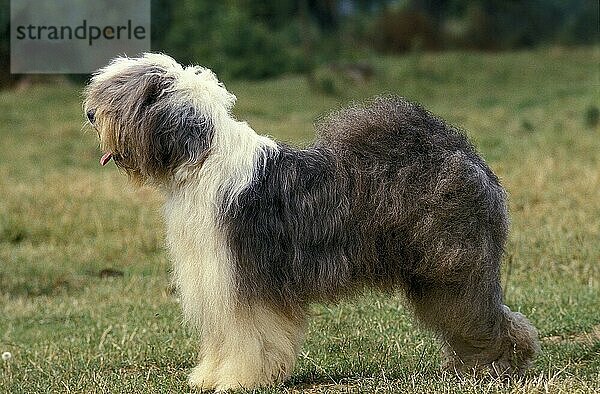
194	83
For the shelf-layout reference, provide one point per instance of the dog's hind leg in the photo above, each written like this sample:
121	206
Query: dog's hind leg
477	330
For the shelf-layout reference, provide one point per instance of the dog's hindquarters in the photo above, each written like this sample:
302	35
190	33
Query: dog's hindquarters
456	290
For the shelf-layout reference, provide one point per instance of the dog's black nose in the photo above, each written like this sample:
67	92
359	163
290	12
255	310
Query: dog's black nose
90	115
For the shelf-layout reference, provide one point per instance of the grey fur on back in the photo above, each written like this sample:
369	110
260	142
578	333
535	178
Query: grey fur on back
389	195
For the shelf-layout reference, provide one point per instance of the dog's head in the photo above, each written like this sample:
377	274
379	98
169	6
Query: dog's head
152	115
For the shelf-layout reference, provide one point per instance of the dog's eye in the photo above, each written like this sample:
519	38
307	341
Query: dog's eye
90	115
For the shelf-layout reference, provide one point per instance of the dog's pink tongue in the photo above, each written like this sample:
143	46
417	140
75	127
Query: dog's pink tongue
105	158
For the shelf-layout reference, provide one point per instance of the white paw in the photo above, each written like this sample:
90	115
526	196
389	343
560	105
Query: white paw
202	378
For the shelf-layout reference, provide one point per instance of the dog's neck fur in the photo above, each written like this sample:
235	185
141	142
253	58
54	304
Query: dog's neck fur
235	154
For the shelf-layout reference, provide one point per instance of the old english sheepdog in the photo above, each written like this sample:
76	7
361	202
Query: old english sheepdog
388	196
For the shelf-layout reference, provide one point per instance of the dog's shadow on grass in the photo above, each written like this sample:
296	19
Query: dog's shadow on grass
356	380
312	380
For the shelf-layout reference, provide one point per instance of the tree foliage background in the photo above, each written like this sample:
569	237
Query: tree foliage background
257	39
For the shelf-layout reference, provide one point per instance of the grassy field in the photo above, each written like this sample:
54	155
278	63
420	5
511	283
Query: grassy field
84	276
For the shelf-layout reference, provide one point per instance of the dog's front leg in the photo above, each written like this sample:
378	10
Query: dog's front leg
253	346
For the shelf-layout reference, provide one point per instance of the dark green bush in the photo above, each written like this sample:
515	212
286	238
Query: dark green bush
258	39
228	40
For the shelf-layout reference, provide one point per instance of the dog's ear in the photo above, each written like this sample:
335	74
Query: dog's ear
175	132
153	87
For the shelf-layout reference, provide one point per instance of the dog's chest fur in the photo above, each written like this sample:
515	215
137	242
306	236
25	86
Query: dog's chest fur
198	249
197	242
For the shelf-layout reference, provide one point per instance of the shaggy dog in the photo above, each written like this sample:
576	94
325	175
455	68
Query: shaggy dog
388	196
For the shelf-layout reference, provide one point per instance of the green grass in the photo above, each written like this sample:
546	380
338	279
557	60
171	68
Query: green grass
64	219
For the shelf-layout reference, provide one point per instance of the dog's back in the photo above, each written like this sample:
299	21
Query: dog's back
389	195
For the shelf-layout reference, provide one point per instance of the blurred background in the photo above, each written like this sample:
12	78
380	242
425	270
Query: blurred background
246	39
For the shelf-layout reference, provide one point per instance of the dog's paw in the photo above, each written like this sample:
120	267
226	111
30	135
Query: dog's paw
202	378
